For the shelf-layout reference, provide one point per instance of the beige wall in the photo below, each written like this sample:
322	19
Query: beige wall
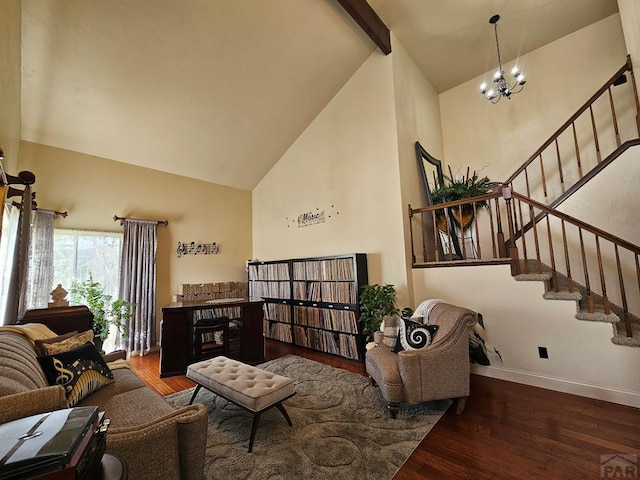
418	119
499	138
630	17
10	84
582	360
345	164
94	189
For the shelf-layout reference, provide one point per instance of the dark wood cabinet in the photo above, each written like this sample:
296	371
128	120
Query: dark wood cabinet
176	332
61	319
313	302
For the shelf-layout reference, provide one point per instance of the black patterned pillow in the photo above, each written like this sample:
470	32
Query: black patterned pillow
80	371
414	335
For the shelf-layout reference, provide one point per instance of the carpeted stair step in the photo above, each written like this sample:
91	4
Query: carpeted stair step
532	273
598	315
620	334
562	294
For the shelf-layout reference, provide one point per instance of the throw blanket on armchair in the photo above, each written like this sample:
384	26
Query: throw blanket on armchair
424	309
479	350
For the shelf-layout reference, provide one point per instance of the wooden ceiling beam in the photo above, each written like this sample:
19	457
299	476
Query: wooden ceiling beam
370	22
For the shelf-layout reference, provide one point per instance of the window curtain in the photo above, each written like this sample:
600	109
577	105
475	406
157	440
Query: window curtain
40	271
17	263
138	284
10	220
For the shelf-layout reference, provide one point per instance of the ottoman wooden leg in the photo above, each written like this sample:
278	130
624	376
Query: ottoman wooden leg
195	392
393	408
254	427
280	407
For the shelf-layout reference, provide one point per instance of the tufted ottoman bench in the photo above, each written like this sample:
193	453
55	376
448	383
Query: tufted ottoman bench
248	387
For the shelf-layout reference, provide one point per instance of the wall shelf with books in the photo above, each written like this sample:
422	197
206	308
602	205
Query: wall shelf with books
322	306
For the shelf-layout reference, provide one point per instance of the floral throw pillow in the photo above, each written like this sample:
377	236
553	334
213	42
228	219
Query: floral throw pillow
80	371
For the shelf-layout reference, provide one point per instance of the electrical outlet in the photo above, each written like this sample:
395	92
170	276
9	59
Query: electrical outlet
542	351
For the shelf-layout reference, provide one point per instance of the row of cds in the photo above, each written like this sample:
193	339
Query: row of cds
278	311
269	271
280	332
211	313
341	320
339	292
263	289
334	343
334	269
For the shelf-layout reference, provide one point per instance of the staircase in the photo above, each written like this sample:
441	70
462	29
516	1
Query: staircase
522	226
578	293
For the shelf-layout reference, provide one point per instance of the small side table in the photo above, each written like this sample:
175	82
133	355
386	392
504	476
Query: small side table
111	468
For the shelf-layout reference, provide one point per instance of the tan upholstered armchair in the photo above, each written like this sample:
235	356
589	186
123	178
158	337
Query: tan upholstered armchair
439	371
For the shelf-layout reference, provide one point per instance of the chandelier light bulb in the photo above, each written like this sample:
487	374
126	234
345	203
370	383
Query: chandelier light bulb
502	87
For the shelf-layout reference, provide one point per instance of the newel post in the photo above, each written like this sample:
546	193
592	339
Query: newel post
413	253
513	249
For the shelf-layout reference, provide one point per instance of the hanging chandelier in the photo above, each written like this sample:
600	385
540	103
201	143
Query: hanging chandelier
502	87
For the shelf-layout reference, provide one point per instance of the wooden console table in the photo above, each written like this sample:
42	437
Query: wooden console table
176	337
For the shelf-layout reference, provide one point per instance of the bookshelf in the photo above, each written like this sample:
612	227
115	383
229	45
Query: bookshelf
313	302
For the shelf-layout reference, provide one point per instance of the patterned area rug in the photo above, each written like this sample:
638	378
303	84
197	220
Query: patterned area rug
340	429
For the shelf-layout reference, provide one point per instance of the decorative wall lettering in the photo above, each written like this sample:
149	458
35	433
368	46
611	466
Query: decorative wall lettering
311	218
194	248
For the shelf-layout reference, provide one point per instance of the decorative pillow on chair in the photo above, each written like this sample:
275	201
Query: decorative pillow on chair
414	335
80	371
389	327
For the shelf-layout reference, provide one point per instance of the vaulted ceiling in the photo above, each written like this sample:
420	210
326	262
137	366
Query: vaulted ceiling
219	89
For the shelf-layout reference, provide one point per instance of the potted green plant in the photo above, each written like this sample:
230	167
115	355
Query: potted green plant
106	311
461	188
376	301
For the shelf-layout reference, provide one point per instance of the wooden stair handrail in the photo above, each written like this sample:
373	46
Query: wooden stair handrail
464	201
580	183
578	223
626	68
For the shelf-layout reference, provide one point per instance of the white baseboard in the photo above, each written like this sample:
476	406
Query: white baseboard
598	392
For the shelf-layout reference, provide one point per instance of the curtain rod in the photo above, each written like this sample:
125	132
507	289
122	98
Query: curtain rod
122	219
55	212
35	208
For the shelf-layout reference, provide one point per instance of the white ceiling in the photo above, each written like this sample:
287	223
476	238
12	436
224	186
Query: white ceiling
219	89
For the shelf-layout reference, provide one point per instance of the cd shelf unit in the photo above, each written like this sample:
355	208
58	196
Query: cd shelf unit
313	302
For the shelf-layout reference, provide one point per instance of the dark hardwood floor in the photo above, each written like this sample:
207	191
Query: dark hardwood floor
508	430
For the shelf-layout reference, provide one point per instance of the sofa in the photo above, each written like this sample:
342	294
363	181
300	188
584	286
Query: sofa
153	439
438	369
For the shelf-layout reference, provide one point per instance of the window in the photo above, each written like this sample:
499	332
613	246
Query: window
80	253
